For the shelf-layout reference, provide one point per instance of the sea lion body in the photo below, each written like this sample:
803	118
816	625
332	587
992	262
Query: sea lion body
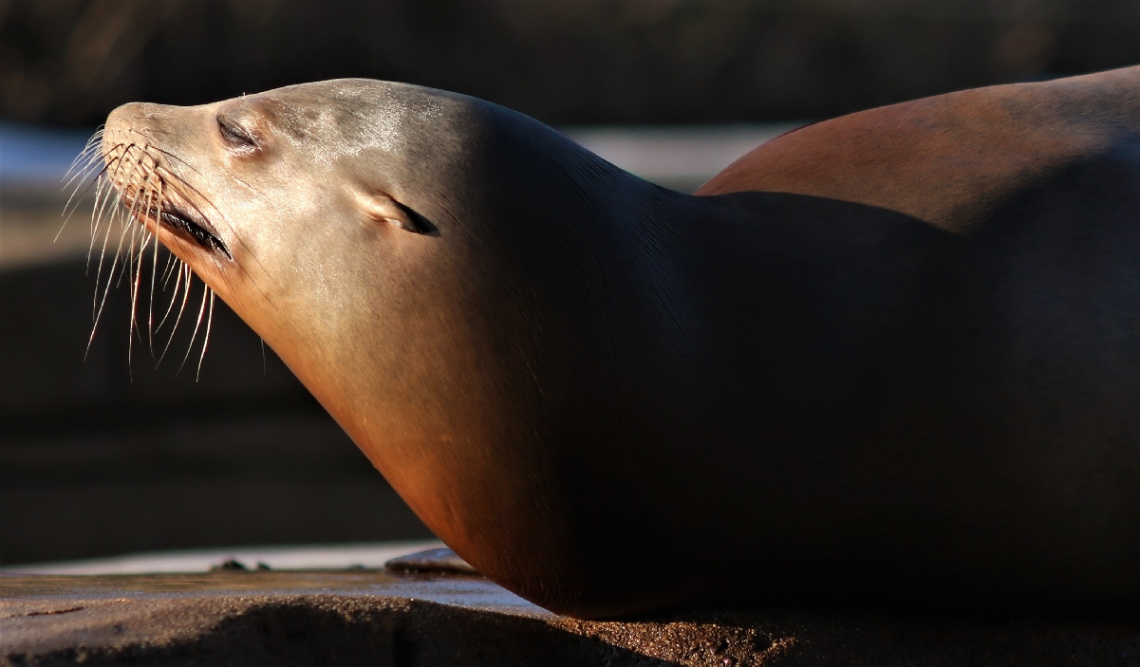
890	357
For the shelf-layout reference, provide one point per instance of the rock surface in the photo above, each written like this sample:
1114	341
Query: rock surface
378	618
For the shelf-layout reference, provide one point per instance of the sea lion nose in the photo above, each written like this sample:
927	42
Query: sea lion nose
141	117
131	113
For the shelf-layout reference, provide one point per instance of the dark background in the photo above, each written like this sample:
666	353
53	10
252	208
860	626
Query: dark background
565	62
111	454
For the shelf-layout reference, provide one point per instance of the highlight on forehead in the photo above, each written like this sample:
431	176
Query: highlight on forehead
386	117
373	114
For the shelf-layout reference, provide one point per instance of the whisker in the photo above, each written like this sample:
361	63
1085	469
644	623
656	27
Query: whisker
206	338
128	231
153	288
168	270
131	269
184	281
197	325
84	178
102	258
93	181
153	204
83	162
109	193
100	192
93	142
170	264
100	303
90	155
132	187
91	163
106	195
120	160
175	158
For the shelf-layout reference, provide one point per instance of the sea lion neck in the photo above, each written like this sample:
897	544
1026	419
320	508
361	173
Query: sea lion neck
591	217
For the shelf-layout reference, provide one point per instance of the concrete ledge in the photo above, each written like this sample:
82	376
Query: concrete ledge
377	618
318	557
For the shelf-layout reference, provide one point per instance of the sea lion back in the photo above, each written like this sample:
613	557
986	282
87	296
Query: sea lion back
949	159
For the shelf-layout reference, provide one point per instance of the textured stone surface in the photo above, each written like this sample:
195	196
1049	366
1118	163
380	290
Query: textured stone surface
376	618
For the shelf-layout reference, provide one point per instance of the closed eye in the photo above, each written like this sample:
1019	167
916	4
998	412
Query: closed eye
234	135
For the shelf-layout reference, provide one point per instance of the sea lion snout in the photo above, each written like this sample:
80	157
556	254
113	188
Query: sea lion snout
141	146
133	115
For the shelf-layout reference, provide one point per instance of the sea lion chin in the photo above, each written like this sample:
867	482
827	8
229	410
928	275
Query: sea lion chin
891	357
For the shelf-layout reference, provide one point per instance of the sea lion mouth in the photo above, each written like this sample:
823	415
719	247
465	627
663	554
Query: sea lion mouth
191	224
157	198
182	220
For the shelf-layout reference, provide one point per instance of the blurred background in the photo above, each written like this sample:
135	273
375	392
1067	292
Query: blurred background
102	452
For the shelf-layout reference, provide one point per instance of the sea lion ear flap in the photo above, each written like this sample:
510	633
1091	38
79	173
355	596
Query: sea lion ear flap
387	211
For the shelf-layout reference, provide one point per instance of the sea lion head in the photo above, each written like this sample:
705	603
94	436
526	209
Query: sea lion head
292	178
418	258
293	204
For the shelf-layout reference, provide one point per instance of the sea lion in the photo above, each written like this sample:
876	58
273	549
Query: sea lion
892	357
